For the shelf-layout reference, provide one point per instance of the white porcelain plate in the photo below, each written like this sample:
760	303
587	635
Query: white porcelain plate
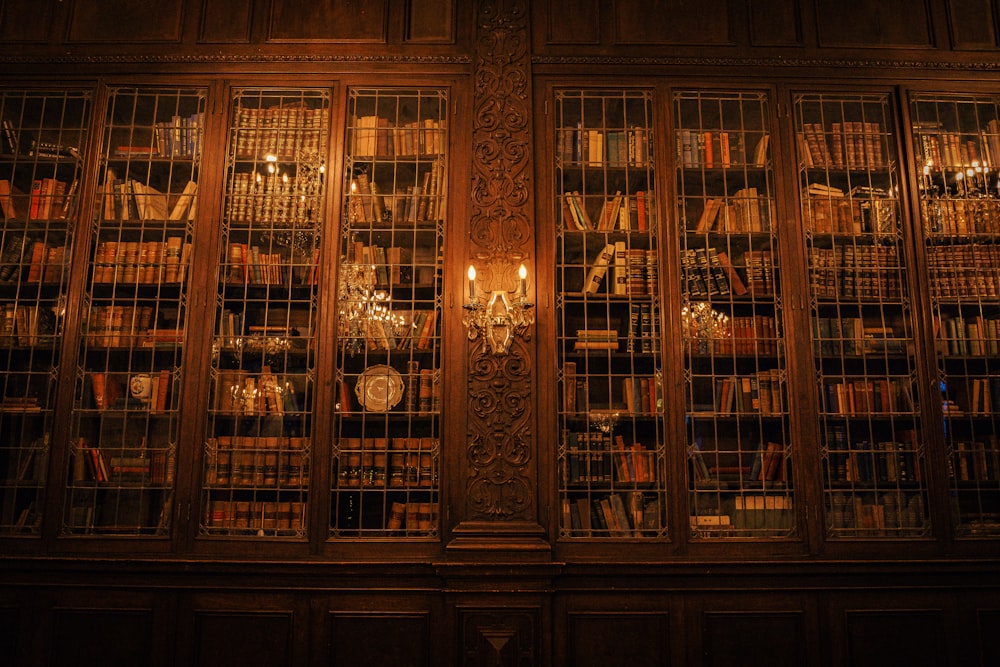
379	388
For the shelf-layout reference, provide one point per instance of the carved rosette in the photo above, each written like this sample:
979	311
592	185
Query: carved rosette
500	439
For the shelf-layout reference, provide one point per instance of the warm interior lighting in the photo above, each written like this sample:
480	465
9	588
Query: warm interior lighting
496	316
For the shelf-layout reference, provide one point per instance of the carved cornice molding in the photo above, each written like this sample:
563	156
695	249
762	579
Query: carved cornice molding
828	63
179	59
500	452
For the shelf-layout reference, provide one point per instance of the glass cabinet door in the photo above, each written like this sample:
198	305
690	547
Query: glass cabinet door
874	481
387	440
126	411
736	412
611	452
43	139
259	439
957	145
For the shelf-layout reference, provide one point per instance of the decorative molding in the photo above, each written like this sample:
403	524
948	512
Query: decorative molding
500	637
22	59
500	454
768	62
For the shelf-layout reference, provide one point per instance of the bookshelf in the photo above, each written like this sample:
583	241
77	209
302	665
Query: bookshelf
127	401
739	448
870	432
258	445
44	134
386	457
611	452
956	140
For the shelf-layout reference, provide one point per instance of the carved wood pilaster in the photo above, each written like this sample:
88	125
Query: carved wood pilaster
500	499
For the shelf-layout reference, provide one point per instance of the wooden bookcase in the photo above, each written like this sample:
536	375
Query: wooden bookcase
868	396
612	481
736	414
258	445
956	140
44	138
386	450
127	402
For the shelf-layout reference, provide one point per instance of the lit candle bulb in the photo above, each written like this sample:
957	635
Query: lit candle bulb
472	282
522	282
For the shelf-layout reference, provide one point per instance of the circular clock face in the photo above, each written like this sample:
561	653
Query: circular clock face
379	389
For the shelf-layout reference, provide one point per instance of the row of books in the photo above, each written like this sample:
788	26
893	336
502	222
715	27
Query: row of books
710	149
247	265
965	271
596	457
631	514
597	147
421	393
955	216
370	463
842	145
893	513
758	393
709	272
141	262
968	336
242	461
982	396
239	392
128	326
738	335
619	212
977	461
596	339
420	202
273	200
50	199
868	396
864	461
285	131
123	465
941	148
769	464
855	272
746	515
640	394
413	518
633	271
408	330
743	211
128	199
31	260
379	137
255	516
829	210
235	330
380	266
850	336
26	325
181	136
642	335
150	392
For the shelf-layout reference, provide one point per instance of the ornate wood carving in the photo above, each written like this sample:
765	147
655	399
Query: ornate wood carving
499	638
500	456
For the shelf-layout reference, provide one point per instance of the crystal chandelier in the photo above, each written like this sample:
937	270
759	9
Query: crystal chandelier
365	313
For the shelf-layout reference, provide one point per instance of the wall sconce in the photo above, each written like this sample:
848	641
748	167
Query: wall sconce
495	315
